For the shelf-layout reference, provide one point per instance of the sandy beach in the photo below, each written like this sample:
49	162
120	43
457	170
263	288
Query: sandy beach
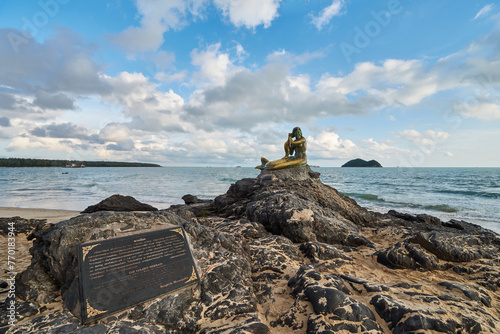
52	216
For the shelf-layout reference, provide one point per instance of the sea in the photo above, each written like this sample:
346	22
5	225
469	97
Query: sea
470	194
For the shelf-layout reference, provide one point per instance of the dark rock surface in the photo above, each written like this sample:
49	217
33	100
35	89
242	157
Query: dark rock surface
463	246
362	163
407	255
333	308
291	203
405	316
26	226
198	208
281	253
119	203
191	199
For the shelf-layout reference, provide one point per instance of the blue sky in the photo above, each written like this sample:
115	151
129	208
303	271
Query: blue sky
221	83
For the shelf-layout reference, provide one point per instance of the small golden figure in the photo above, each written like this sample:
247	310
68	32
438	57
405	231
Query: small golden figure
297	147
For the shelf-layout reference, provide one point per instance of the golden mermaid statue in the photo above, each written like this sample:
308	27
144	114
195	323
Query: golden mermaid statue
295	153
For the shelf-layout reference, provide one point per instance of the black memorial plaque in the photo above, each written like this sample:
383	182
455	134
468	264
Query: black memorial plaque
118	273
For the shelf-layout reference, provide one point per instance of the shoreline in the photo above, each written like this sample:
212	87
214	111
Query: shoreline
55	216
52	215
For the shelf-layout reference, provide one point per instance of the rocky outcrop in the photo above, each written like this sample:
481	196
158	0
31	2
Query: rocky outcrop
409	256
21	225
194	207
282	253
334	309
425	312
362	163
225	291
191	199
295	204
119	203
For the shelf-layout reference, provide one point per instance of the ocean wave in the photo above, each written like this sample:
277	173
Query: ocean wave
483	194
27	189
228	179
367	197
402	205
441	208
423	207
52	189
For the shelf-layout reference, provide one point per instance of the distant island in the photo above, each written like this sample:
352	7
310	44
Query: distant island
20	162
362	163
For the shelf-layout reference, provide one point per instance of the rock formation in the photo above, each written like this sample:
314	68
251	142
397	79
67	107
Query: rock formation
362	163
24	226
119	203
283	253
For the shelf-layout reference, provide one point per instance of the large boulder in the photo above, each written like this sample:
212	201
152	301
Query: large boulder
225	290
296	204
119	203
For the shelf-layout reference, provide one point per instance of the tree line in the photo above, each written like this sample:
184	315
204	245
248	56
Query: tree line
21	162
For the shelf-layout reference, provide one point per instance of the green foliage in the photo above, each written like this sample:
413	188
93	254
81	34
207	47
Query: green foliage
20	162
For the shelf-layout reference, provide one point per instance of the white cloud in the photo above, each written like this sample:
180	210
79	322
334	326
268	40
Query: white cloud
328	145
277	53
215	67
427	148
64	130
395	81
427	139
301	82
63	62
482	111
409	82
270	94
240	51
22	143
115	132
149	109
157	17
483	11
53	101
249	13
437	135
22	107
373	149
215	147
327	14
